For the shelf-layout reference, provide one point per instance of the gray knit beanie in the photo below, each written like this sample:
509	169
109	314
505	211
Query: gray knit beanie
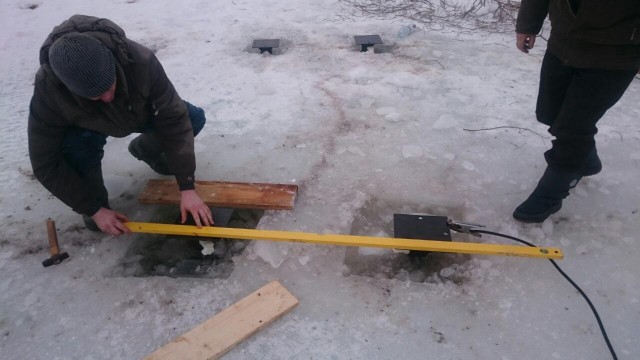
84	64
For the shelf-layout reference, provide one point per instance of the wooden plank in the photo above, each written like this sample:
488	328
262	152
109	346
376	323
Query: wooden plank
224	194
219	334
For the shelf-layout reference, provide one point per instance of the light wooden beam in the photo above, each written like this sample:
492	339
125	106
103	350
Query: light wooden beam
221	333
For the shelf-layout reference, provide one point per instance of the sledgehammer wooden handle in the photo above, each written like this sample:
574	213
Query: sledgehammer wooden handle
56	256
53	237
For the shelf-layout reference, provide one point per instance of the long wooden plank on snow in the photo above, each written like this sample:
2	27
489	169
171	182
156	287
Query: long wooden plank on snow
224	194
219	334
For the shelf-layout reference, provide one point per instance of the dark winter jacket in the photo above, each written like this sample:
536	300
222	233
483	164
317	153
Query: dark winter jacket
143	94
587	33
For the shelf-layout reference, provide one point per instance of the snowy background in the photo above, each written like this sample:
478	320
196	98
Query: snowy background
365	136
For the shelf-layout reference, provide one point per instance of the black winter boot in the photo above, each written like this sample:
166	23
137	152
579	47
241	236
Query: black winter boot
147	148
94	179
547	197
593	165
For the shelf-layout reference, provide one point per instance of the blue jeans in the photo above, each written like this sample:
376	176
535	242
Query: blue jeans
84	149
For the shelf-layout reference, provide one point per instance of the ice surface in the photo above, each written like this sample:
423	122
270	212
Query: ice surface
411	151
353	129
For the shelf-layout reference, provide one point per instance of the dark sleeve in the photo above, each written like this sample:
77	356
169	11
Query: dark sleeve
531	16
171	120
49	166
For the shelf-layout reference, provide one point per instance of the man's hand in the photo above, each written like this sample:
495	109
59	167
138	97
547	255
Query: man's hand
111	222
191	202
525	42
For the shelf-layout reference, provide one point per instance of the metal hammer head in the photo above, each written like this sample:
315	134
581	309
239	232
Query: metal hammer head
55	259
56	256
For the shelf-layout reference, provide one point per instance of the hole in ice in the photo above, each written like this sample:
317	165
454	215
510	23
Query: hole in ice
375	218
186	256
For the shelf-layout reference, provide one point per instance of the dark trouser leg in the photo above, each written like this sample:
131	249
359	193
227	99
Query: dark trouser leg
554	82
571	101
147	147
83	150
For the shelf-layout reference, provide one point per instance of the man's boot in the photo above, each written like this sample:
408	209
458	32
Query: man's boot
547	197
147	148
593	164
94	179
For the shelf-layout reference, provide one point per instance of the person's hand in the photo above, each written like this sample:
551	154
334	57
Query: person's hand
525	42
111	222
191	202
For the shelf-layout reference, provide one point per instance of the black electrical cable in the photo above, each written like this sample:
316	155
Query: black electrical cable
595	312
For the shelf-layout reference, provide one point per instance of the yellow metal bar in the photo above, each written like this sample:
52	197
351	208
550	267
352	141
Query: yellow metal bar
348	240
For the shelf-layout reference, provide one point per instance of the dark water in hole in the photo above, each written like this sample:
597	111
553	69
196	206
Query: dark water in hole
181	256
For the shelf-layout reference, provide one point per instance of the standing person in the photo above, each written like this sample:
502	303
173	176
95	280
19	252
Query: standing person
93	82
592	56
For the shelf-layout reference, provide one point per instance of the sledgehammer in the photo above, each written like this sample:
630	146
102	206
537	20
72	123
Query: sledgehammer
56	256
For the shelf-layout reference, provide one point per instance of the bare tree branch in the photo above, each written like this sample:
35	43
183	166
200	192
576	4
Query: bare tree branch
465	15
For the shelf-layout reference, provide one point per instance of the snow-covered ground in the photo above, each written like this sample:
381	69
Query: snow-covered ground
365	136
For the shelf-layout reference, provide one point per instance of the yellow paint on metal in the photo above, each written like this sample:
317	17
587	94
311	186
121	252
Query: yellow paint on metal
349	240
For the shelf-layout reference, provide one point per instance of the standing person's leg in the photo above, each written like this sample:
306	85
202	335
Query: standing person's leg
84	149
555	79
590	94
147	146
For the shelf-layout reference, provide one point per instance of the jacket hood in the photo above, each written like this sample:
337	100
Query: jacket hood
104	30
